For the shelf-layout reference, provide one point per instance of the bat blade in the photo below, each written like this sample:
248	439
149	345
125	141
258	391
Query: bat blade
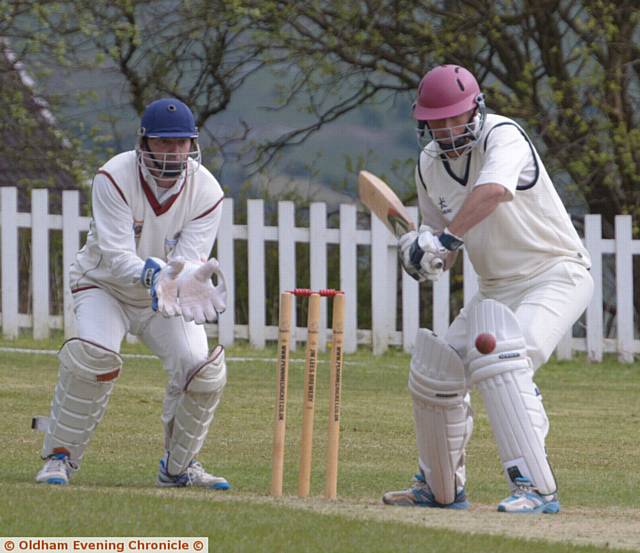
384	203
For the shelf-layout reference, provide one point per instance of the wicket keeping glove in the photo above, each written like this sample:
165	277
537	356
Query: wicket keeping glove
200	300
162	281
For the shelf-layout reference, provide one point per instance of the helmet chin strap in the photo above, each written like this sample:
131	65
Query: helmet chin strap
455	145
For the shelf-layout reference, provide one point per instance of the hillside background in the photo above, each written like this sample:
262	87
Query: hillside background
379	136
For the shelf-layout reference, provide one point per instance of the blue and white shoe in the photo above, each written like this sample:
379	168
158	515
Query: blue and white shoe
195	475
57	469
420	495
527	499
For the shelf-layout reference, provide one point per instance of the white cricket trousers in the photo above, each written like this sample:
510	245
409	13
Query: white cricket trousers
546	307
180	346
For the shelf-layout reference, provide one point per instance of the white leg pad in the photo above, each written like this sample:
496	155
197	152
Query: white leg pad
512	401
87	375
442	415
195	410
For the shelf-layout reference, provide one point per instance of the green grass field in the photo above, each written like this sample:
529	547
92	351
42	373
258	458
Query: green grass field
593	446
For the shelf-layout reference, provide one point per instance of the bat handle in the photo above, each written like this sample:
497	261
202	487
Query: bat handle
437	263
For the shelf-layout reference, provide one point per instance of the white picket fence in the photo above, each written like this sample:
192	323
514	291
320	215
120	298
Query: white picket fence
348	237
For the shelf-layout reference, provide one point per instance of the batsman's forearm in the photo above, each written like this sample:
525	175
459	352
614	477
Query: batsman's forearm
481	203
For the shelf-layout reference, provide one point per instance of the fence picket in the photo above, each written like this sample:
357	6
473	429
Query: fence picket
70	245
256	273
379	287
593	241
441	310
318	262
9	219
349	275
392	284
470	283
40	263
226	257
287	258
624	292
410	302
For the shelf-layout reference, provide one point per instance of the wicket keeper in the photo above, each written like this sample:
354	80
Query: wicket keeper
144	270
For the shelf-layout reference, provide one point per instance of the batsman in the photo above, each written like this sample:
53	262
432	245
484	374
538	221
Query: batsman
144	270
482	186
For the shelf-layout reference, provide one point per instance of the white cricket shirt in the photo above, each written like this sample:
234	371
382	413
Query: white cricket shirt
525	235
129	224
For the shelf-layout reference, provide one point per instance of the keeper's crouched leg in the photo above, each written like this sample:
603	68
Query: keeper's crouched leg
187	430
86	379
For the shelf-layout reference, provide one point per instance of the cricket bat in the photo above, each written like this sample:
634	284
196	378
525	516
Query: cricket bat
383	202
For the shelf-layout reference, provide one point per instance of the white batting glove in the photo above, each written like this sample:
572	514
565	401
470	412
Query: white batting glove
162	281
421	254
404	247
200	300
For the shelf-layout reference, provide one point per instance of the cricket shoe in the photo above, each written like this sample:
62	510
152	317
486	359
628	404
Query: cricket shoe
57	469
420	495
195	475
527	499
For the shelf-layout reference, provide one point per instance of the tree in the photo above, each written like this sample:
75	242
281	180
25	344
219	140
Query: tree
567	69
197	51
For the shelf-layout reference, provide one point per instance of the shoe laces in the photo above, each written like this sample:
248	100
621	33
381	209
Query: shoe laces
195	470
418	478
61	461
419	486
524	486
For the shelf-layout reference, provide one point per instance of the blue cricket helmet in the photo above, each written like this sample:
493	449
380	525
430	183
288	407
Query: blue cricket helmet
167	118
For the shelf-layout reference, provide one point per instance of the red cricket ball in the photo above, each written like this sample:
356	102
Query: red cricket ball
485	342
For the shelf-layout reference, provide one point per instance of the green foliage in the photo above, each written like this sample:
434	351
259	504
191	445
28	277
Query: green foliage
197	51
566	69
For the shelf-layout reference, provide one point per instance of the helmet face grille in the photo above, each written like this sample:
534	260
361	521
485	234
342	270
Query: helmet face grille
457	140
169	166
